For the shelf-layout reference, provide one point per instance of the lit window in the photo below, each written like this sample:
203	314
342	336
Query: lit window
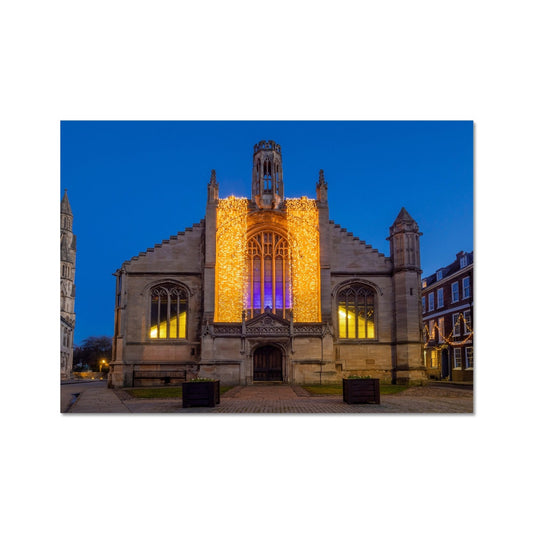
268	275
168	312
424	283
356	313
440	298
457	357
431	301
466	287
455	292
434	359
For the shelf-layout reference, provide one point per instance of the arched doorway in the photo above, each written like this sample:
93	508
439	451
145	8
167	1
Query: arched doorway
268	363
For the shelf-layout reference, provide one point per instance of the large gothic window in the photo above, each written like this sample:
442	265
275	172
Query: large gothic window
168	312
268	275
356	310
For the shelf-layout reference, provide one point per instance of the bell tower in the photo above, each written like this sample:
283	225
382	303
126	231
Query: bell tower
267	175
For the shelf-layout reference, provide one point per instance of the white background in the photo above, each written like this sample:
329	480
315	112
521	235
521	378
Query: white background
464	60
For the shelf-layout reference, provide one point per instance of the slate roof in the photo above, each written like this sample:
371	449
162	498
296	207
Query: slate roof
450	269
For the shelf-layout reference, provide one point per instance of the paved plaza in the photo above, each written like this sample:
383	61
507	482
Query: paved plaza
256	399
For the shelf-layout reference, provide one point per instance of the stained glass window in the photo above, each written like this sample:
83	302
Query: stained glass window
268	274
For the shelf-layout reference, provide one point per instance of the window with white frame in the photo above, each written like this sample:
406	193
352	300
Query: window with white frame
462	261
466	287
439	275
455	291
440	298
456	325
431	301
457	357
467	315
431	329
469	357
423	304
434	359
441	329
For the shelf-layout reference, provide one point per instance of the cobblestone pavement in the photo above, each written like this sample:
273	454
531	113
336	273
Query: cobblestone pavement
284	399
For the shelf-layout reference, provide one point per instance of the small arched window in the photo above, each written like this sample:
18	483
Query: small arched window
356	312
168	312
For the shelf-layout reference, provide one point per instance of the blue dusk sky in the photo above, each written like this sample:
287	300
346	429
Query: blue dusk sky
133	184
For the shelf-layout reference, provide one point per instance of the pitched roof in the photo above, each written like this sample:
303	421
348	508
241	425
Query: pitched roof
403	216
450	269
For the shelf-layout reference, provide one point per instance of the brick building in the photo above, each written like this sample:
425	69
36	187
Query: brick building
448	317
268	288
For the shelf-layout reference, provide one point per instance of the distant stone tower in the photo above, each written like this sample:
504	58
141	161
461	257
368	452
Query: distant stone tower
68	289
405	255
267	175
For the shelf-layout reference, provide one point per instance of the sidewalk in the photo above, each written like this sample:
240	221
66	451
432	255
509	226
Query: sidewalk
282	399
101	400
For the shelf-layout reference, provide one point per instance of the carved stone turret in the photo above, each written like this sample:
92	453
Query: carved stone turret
404	242
267	175
67	287
212	189
321	189
405	255
68	262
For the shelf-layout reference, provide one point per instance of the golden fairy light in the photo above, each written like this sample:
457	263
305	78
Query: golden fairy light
230	259
430	335
302	229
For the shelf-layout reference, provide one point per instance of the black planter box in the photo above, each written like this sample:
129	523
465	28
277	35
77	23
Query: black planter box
200	393
360	390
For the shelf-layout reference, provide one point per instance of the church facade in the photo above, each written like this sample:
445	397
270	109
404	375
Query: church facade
268	288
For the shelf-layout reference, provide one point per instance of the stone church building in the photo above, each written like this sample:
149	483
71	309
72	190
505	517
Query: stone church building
268	288
67	288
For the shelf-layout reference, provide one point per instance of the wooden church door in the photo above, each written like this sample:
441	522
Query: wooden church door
267	364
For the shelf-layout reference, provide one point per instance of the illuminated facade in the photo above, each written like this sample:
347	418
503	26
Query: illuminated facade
268	288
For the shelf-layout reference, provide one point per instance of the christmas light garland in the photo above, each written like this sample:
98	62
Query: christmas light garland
303	236
230	267
447	340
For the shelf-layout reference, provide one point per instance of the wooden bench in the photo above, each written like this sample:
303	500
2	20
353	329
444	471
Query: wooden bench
158	377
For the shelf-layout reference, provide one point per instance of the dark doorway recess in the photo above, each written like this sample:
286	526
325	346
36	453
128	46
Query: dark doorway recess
444	364
267	364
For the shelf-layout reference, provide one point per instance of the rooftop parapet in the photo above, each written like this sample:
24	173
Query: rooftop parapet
267	145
